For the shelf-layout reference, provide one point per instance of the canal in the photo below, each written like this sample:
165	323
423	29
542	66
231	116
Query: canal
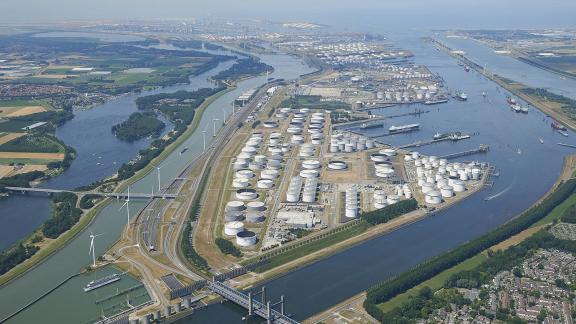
527	170
72	306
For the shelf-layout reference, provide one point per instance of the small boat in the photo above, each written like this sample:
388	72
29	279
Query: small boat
461	96
184	150
541	141
519	151
563	133
466	68
483	94
556	125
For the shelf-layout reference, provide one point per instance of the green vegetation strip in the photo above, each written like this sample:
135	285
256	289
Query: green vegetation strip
387	290
314	244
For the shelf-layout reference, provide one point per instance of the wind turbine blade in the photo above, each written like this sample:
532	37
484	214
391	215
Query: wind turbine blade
91	247
126	202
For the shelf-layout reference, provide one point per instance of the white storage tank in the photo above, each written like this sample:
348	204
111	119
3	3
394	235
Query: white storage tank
265	184
309	173
241	183
458	186
246	194
337	165
233	228
378	157
427	187
446	191
244	174
433	197
246	238
392	199
235	206
388	152
310	164
369	143
269	174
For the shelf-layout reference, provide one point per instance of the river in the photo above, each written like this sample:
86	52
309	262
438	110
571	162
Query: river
89	132
523	179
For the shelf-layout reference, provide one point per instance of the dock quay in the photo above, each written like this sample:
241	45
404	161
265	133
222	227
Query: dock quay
424	143
358	123
482	149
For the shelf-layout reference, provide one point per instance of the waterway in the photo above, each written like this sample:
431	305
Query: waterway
527	170
524	178
111	219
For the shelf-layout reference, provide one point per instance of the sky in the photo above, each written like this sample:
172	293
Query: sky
406	13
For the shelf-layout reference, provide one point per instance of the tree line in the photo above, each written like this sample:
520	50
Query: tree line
427	270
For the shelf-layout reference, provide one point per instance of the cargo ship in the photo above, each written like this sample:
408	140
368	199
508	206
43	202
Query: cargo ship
455	136
461	96
369	126
435	101
95	284
403	128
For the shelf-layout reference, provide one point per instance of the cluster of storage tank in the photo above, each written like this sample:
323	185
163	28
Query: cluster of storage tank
351	207
235	212
382	200
382	164
348	143
439	179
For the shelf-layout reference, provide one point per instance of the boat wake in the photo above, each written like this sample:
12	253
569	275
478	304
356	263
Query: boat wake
501	192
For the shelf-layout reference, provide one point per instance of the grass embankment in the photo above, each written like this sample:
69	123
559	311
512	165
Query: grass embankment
87	219
389	294
308	246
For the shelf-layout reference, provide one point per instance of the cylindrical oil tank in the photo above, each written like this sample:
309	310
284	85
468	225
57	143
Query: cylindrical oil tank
446	191
433	197
310	164
233	228
244	174
246	194
392	199
233	216
464	176
337	165
293	196
260	158
235	205
348	148
240	183
269	174
415	155
249	150
388	152
458	186
334	148
270	124
246	238
378	157
255	166
177	307
369	143
274	164
476	174
427	187
254	217
239	165
265	184
309	173
255	206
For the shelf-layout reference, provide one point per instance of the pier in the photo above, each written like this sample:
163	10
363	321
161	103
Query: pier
424	143
482	149
357	123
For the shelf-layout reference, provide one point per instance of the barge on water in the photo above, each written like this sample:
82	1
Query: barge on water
403	128
95	284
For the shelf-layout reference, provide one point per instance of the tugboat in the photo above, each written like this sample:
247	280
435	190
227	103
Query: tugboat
95	284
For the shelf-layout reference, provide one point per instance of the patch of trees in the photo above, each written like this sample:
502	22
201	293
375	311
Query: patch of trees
88	201
56	118
138	126
390	212
21	180
427	270
569	215
188	250
243	68
181	121
64	215
33	143
227	247
15	255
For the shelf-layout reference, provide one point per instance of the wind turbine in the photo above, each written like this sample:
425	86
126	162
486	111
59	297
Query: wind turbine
127	204
92	237
159	183
214	124
204	139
